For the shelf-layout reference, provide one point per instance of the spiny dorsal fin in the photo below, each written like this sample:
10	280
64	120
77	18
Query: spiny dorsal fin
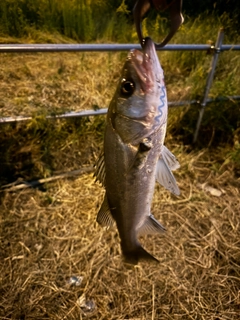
104	217
100	173
165	177
151	226
170	159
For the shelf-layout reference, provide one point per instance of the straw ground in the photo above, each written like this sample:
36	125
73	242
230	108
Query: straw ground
50	236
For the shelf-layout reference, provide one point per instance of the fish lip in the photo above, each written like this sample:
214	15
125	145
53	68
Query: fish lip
149	46
143	64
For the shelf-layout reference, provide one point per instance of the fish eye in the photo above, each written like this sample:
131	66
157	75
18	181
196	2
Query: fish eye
127	87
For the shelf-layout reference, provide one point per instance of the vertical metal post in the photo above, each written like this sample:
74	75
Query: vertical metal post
217	50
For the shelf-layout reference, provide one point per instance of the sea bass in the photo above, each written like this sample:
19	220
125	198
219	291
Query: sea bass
134	153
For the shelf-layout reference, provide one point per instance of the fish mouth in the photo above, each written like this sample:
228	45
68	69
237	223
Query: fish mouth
144	64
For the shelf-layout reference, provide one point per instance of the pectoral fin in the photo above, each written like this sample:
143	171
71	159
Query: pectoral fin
169	159
165	177
150	226
104	217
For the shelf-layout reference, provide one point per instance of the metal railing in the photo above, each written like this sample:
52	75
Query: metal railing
20	48
219	47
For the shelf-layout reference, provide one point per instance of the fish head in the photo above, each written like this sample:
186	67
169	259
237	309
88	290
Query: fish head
139	106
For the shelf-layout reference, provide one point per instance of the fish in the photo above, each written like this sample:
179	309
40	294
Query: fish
134	155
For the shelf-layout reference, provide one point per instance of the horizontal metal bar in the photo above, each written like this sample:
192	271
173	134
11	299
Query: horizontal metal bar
71	114
227	47
6	48
88	47
227	98
181	103
103	111
27	184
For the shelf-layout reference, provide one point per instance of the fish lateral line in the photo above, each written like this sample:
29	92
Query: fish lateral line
162	97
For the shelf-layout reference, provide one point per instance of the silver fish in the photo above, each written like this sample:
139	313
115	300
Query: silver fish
134	153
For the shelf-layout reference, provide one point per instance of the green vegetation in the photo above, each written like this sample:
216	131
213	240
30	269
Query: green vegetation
76	19
91	20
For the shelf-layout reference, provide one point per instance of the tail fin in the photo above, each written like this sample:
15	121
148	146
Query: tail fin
138	254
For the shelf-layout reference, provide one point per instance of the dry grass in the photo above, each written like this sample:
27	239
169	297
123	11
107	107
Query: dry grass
34	84
50	236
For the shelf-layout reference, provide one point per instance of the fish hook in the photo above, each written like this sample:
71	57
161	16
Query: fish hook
175	10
